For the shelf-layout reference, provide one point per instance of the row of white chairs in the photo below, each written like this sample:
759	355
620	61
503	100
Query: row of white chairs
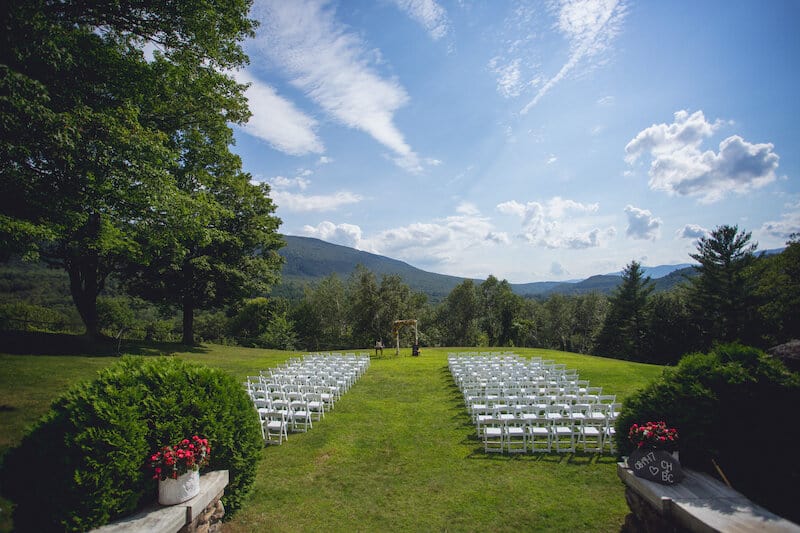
521	405
299	392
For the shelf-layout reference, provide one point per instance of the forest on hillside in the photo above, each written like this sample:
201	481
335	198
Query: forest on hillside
735	295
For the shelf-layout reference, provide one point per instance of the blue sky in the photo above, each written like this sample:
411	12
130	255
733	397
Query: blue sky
529	140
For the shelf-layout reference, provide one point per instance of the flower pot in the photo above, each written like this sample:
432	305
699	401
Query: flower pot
173	491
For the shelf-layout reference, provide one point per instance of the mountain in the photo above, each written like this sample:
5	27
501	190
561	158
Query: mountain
657	272
309	260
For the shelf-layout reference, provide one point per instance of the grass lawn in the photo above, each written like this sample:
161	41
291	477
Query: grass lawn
398	453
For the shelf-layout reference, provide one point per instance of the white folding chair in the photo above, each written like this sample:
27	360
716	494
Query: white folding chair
515	435
539	429
592	431
563	435
274	426
493	438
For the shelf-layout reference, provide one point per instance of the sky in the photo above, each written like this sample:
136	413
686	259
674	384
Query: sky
532	141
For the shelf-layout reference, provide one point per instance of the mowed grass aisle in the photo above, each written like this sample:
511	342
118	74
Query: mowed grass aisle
399	453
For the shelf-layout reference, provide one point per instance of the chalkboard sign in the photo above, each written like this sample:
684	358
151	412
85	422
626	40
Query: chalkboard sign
655	465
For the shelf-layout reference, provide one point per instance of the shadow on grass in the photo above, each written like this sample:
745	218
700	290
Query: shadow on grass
41	343
572	458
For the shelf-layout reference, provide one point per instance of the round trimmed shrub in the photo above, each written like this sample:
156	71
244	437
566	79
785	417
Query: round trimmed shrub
84	463
735	406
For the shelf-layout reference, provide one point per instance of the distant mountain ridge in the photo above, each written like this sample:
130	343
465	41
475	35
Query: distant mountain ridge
309	260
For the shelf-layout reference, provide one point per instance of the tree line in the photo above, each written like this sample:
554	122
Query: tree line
734	295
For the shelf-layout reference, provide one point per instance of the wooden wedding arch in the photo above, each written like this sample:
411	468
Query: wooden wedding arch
397	325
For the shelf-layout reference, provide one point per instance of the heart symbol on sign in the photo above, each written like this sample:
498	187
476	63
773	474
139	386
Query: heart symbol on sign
654	470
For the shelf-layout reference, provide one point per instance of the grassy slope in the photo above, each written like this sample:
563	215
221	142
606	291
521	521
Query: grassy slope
397	454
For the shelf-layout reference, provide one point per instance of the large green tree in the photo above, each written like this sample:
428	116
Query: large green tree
624	328
458	315
670	330
723	291
327	305
499	306
590	313
364	307
86	155
559	321
779	293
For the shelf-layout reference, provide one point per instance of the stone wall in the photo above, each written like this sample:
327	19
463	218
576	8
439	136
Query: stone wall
209	520
201	514
699	503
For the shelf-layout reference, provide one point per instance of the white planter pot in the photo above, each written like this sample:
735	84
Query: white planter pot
186	487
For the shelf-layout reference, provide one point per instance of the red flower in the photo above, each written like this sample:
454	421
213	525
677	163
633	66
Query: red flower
172	461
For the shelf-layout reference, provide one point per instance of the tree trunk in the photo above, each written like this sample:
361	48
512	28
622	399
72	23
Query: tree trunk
86	278
188	304
188	319
84	285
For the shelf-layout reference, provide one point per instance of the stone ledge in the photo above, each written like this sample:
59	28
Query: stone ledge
700	503
158	518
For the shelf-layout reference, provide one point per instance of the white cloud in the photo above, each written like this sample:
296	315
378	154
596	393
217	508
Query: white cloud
557	270
660	139
552	159
642	224
468	208
429	14
324	160
276	120
692	231
344	234
509	76
679	167
606	101
783	228
439	242
543	224
304	203
280	182
498	237
590	26
332	66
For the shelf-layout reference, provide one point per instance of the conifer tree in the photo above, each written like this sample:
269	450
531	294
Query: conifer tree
723	292
625	325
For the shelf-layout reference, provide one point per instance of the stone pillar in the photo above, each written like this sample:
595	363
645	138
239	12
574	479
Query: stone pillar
209	520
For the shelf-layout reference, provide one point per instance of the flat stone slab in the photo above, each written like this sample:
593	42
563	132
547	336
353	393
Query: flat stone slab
702	504
171	518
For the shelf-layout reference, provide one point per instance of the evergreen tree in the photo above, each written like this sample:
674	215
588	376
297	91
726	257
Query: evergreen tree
624	328
723	291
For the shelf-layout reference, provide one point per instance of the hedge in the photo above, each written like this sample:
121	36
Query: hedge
735	407
83	464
